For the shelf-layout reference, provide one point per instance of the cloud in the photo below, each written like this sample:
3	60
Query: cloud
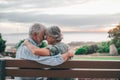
45	11
64	20
10	27
61	6
13	4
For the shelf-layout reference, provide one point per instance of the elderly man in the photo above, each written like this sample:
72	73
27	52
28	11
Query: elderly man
36	36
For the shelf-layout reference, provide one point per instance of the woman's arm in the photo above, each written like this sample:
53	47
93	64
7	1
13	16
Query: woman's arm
35	50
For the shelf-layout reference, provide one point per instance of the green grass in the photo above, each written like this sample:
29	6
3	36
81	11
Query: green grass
97	58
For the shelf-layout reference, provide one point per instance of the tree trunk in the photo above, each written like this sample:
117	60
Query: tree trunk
113	50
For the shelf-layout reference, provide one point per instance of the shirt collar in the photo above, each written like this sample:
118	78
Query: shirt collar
33	42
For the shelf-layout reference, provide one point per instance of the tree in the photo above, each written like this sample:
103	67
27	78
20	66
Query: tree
115	35
115	32
2	44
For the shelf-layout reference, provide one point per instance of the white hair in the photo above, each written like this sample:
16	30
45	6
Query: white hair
38	28
55	32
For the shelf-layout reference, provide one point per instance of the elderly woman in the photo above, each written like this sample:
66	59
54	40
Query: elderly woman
54	38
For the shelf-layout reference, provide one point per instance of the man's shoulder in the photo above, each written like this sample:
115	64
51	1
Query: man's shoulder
22	49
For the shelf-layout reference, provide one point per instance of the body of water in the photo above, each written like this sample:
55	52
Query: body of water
68	37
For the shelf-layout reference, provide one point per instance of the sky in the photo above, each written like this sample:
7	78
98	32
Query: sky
16	16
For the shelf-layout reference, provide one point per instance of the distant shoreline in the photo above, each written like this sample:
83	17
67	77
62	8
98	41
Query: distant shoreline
73	45
68	37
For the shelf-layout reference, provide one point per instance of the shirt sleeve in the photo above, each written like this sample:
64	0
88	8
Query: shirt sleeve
50	60
53	50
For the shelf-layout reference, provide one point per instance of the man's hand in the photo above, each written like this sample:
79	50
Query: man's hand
66	56
70	54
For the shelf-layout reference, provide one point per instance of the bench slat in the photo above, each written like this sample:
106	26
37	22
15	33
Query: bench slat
69	64
64	73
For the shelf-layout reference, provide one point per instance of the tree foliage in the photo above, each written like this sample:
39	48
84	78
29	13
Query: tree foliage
115	35
2	44
115	32
82	50
103	47
86	49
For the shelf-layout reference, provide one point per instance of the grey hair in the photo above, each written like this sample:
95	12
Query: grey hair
38	28
55	32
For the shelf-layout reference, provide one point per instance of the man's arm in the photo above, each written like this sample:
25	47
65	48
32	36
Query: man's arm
55	60
35	50
25	53
66	56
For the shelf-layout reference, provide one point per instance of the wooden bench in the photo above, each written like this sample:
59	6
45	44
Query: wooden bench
78	69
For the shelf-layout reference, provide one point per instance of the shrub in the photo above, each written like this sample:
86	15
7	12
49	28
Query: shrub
80	51
117	43
86	49
2	44
92	49
119	50
103	47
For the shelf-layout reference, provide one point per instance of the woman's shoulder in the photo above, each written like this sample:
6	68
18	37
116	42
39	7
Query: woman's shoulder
61	44
62	47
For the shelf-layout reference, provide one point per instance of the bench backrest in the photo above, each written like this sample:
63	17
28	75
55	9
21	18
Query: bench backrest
77	69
